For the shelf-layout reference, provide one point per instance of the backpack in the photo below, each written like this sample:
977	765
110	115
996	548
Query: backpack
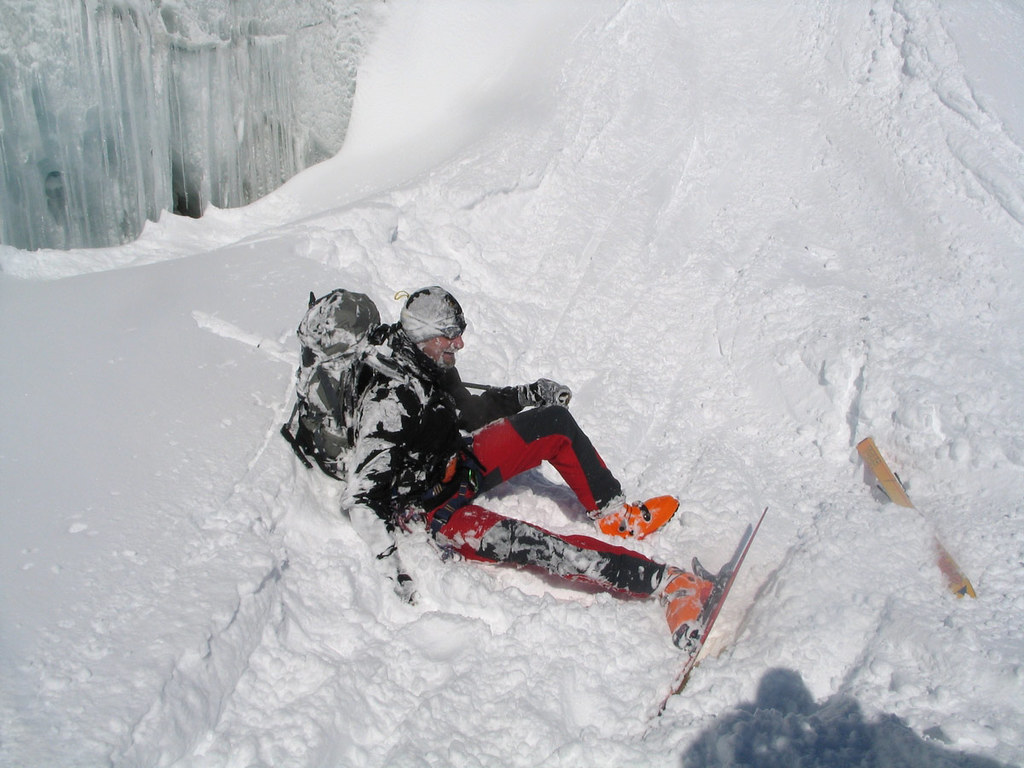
333	336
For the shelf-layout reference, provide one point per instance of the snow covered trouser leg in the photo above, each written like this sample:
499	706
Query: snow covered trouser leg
479	534
521	442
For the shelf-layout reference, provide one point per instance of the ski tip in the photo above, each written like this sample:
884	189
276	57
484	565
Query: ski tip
755	526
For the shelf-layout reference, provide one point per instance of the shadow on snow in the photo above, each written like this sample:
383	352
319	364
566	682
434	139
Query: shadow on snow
785	728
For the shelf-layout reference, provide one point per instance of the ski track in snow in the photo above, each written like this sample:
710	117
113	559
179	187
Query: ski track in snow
746	236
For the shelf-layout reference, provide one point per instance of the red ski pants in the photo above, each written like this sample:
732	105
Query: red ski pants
520	443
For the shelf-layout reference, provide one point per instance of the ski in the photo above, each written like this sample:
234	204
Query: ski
957	582
723	583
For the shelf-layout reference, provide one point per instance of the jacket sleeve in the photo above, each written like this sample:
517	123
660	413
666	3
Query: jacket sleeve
380	539
476	411
402	442
379	452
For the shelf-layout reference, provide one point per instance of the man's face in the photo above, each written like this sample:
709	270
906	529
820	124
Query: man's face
442	350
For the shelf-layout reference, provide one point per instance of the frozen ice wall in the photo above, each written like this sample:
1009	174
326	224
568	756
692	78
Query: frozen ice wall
114	110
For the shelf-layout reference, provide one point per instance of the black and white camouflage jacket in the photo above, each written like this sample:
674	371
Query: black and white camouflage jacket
411	419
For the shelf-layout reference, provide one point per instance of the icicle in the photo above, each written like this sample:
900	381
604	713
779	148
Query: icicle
115	110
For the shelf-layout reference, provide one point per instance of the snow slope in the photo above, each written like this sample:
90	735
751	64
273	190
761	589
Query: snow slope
746	235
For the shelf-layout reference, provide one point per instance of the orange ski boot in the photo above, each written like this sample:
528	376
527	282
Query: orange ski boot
683	596
640	519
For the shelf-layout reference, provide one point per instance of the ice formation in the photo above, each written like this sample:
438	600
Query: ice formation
112	111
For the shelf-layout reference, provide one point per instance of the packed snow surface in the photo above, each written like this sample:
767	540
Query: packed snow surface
747	235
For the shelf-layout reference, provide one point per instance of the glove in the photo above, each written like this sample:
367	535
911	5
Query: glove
379	537
544	392
404	588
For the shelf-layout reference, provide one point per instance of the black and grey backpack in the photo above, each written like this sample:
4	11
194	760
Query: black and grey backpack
333	334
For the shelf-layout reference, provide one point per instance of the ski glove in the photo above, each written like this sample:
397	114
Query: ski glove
544	392
379	537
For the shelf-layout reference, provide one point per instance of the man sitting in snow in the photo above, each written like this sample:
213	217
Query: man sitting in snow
425	446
